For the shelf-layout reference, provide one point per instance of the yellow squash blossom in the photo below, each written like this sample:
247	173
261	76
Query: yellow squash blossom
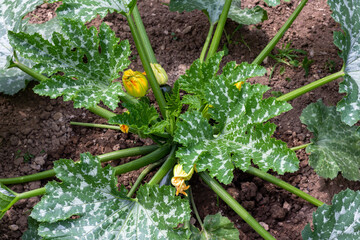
124	128
135	83
238	84
180	176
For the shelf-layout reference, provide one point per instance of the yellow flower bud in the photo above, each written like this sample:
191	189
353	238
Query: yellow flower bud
238	84
160	73
179	172
135	83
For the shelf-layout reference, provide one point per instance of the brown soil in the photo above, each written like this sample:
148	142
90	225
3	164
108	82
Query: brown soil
35	131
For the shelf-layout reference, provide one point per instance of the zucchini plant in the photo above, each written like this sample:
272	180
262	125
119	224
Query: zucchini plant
225	127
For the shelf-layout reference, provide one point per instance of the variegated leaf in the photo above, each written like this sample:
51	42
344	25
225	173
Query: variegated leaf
88	72
341	220
274	3
336	146
85	10
7	199
89	192
246	16
346	13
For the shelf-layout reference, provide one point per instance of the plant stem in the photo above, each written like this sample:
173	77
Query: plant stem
32	193
300	147
300	91
102	112
284	185
143	161
149	73
207	42
105	126
29	71
219	30
129	152
144	37
226	197
141	177
265	52
169	163
191	198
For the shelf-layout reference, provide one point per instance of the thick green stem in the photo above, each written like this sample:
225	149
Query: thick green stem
102	112
144	37
143	161
226	197
32	193
129	152
29	71
265	52
142	176
307	88
219	29
149	73
207	42
169	163
284	185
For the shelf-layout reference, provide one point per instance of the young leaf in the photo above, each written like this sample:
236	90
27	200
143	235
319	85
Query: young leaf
345	13
7	199
11	14
246	16
336	146
216	227
89	60
89	192
341	220
213	8
242	136
85	10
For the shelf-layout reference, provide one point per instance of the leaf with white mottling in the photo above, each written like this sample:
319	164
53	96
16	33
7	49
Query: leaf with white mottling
216	227
246	16
213	8
346	13
7	199
88	73
11	14
274	3
85	10
89	192
241	137
32	231
336	146
339	221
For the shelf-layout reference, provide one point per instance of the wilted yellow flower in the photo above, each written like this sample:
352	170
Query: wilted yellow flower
159	73
179	179
124	128
135	83
238	84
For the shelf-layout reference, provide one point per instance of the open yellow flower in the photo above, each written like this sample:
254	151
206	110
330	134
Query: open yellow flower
135	83
238	84
180	176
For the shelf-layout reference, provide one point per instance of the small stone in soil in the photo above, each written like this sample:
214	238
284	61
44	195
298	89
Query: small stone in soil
13	227
264	225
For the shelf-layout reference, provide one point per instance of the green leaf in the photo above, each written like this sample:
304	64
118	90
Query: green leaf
246	16
241	137
88	73
336	146
216	227
340	221
7	199
212	8
273	3
174	104
141	117
32	231
89	192
345	13
85	10
11	15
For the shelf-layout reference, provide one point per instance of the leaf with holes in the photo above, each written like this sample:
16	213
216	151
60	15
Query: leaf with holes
7	199
345	12
90	61
336	146
341	220
89	192
240	135
86	10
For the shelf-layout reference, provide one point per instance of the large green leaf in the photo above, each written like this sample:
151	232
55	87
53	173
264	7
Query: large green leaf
240	137
246	16
89	192
88	72
336	146
32	231
11	15
216	227
345	12
85	10
340	221
7	199
213	8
